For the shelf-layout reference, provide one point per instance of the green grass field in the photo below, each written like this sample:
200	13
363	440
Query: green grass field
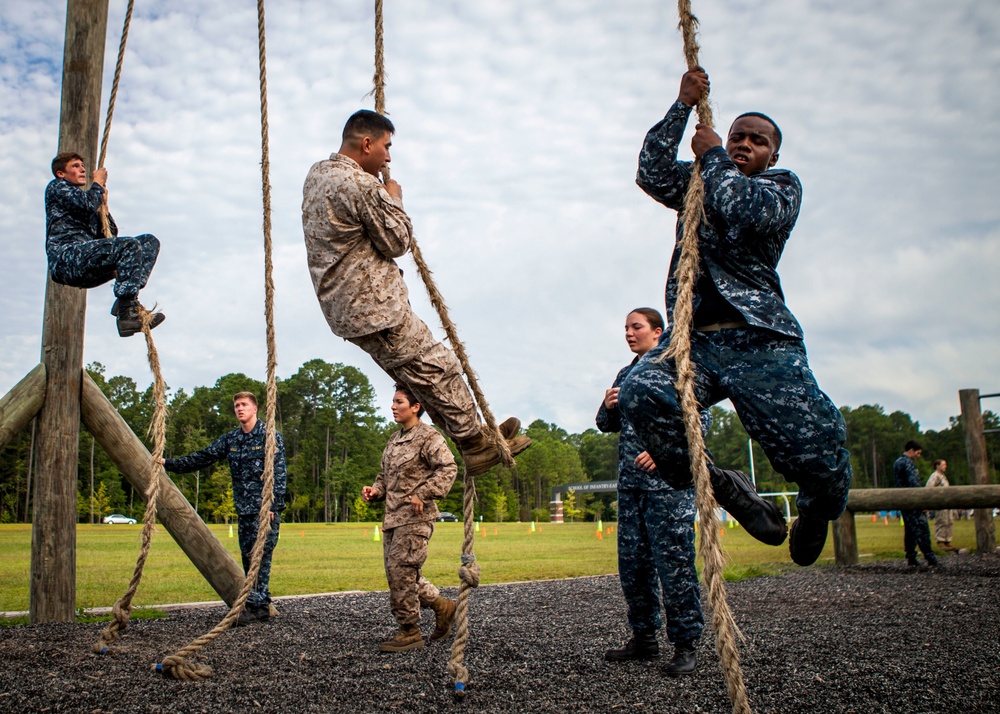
316	558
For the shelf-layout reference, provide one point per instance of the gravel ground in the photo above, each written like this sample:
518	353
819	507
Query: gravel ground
874	638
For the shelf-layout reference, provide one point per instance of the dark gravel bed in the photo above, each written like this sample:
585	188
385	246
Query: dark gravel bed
875	638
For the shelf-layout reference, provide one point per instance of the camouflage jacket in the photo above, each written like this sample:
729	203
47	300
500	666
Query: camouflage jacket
748	221
937	480
415	462
72	215
630	476
905	473
245	453
353	229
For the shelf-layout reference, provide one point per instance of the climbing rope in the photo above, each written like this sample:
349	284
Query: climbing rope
122	609
180	665
469	570
726	631
105	222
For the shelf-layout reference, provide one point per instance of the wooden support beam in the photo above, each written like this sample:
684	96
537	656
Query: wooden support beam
20	405
979	472
920	499
53	525
845	539
173	510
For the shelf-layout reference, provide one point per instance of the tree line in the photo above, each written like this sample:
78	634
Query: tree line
334	438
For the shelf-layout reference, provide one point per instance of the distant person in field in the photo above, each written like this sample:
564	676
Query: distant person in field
243	448
78	252
944	519
354	227
915	533
745	344
417	469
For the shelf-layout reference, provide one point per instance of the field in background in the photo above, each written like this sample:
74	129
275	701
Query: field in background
316	558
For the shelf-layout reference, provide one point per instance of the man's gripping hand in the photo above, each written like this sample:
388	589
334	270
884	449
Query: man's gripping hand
100	176
694	85
394	189
368	494
704	139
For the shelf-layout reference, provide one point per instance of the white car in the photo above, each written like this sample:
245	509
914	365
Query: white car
117	518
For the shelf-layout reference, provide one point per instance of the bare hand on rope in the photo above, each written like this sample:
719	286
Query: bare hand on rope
394	189
100	177
704	139
694	85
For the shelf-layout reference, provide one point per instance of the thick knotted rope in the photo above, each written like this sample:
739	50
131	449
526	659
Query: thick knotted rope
157	428
179	665
680	351
105	221
469	571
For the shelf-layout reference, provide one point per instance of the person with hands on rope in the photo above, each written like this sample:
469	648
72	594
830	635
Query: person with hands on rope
417	469
243	449
746	345
354	227
80	256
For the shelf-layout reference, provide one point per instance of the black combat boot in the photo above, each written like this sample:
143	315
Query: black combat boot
643	645
683	661
912	561
129	322
807	539
735	493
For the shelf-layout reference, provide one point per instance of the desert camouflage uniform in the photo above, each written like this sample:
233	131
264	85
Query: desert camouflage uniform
916	533
245	454
78	253
353	229
761	367
415	462
944	519
655	539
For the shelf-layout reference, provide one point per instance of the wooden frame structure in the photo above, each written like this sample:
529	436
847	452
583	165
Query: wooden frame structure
60	393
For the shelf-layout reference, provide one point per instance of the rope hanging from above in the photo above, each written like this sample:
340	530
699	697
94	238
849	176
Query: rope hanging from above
726	631
180	665
122	608
469	571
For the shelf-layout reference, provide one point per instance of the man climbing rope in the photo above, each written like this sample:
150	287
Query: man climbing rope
80	256
243	448
417	469
746	345
354	227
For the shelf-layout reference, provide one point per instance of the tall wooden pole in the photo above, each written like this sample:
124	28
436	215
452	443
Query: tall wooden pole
979	474
53	532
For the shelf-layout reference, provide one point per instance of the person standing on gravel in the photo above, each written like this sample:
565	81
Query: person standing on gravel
916	533
417	469
944	519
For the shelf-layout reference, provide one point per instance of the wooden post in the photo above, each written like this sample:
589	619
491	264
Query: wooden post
20	405
173	510
53	530
845	539
975	447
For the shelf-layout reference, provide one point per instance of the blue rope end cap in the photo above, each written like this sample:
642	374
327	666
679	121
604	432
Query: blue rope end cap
103	650
459	690
158	667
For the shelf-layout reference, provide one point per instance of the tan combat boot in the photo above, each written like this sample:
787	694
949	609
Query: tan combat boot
479	453
444	615
408	638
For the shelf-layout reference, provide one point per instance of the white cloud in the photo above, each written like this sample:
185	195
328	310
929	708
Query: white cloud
518	129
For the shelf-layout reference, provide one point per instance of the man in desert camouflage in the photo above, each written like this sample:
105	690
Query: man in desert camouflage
355	227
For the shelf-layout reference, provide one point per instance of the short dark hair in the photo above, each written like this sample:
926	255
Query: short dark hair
938	462
912	445
245	395
653	317
59	163
365	122
765	117
410	398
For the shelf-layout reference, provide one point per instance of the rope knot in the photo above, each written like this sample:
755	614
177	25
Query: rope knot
469	573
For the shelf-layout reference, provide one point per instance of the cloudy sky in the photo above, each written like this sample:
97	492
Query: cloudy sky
519	123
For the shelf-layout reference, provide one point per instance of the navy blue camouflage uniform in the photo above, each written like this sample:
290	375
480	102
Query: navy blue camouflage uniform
916	531
655	539
245	454
761	366
79	255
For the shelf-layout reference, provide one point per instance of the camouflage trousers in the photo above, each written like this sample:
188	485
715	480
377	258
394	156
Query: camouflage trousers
409	354
916	534
656	556
260	595
404	549
944	526
128	261
768	380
